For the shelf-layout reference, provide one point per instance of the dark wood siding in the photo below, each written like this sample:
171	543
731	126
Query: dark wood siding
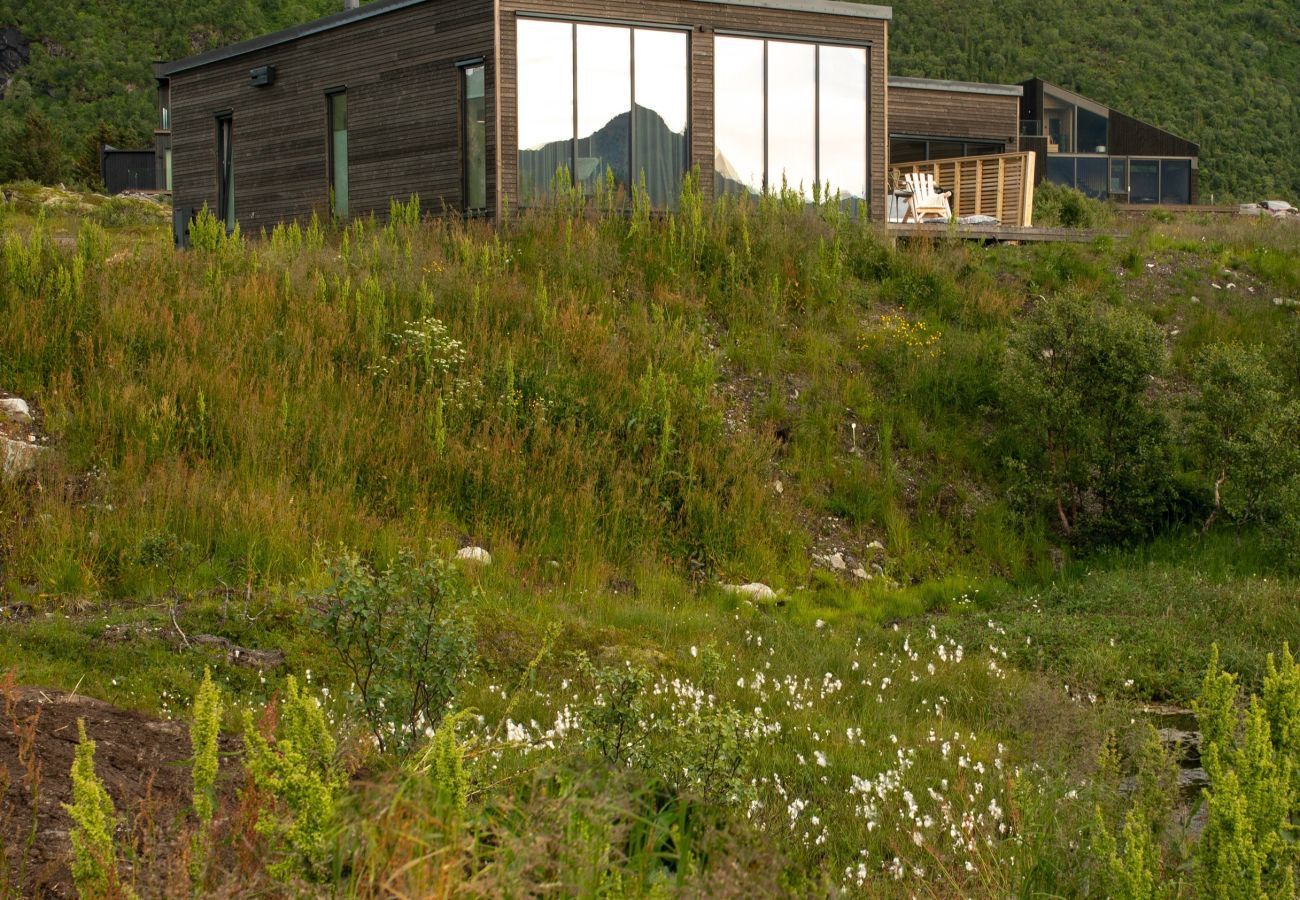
703	19
923	112
1130	137
399	69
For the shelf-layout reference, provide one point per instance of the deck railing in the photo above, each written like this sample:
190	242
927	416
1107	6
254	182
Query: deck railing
999	185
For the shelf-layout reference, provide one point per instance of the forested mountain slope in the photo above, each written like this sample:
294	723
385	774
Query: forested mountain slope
1222	74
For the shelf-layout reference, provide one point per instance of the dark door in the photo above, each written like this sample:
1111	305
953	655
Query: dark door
226	170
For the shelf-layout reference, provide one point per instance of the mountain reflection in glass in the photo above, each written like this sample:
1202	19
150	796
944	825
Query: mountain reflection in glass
608	129
791	116
662	87
545	104
843	75
604	105
739	126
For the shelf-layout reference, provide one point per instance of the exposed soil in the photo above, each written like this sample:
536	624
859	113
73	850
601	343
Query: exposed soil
143	763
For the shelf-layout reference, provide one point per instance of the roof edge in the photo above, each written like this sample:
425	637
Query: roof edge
960	87
826	7
284	36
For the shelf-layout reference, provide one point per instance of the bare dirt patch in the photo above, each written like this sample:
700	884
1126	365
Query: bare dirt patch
143	763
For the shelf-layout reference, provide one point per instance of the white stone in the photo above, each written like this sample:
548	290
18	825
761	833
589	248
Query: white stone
836	562
862	573
18	457
875	545
16	410
476	555
754	590
778	487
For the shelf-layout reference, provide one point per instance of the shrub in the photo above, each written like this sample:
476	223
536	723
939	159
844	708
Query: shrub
294	765
1245	428
406	637
1057	206
94	860
1092	445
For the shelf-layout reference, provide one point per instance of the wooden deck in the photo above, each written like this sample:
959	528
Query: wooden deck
994	233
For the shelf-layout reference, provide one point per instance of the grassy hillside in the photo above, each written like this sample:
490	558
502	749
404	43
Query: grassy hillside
281	442
1221	74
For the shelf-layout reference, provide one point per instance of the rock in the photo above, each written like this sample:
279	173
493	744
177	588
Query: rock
877	569
875	545
475	555
836	562
16	410
862	574
754	590
19	457
778	487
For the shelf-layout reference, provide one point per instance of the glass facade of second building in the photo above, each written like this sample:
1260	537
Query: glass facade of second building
600	100
790	114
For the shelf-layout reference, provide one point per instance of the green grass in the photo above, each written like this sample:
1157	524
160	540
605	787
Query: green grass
606	404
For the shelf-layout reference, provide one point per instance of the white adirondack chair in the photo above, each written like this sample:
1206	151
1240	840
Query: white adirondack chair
927	201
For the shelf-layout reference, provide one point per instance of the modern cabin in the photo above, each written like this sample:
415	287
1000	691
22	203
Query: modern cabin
931	119
474	105
1104	153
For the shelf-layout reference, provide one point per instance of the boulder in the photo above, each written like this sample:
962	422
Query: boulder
16	410
475	556
18	457
753	591
836	562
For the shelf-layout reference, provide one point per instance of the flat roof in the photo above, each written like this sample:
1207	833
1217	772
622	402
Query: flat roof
379	7
957	87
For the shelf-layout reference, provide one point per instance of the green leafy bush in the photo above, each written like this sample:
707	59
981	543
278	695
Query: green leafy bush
1091	445
1245	429
406	637
1057	206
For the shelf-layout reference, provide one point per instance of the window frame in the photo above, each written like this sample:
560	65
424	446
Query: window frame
225	157
816	43
632	25
331	190
463	68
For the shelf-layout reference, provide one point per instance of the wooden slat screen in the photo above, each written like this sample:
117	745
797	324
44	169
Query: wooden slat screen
999	185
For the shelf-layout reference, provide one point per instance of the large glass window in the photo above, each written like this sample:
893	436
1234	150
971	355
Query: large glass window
1176	181
626	112
338	153
740	127
604	104
1144	181
662	79
1092	176
769	132
1060	170
546	122
1119	176
473	118
165	106
1058	117
791	115
1093	131
226	170
842	73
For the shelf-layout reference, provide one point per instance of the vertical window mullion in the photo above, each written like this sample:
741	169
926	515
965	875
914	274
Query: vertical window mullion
817	120
633	173
767	118
573	150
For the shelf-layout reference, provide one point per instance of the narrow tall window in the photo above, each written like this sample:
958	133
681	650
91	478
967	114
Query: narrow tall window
474	136
226	169
167	168
338	153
